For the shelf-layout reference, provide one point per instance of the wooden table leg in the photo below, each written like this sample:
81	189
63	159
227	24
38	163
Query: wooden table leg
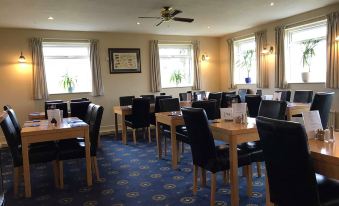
174	147
234	174
116	125
123	125
158	137
27	175
88	158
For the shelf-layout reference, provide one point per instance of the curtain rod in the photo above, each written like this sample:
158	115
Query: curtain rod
169	41
294	24
65	39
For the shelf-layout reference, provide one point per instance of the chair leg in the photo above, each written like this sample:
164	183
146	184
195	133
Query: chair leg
144	132
99	143
61	174
149	134
226	176
178	151
165	147
96	168
213	188
259	169
16	180
56	173
182	148
203	177
195	179
248	169
134	137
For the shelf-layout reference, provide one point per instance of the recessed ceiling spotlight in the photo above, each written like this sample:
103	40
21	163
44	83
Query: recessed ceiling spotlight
138	23
272	4
208	27
50	18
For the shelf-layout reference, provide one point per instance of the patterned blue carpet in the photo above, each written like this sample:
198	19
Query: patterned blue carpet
131	175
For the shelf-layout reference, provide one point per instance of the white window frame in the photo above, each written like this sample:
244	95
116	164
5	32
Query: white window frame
190	57
289	52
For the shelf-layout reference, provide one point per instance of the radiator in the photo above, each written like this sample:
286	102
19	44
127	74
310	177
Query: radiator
331	119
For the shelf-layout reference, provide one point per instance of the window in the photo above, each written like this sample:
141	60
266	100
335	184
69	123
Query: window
306	52
244	61
67	67
176	65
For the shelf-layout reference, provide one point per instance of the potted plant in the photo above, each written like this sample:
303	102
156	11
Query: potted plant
68	82
245	62
307	55
177	77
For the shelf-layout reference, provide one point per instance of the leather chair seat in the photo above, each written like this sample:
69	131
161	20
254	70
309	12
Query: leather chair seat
72	150
254	149
328	190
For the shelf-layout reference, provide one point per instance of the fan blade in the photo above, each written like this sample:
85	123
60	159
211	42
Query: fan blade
188	20
160	23
175	12
149	17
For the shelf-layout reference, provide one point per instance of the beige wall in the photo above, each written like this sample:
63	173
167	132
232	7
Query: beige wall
16	79
224	54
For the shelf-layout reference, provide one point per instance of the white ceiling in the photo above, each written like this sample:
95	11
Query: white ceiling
222	16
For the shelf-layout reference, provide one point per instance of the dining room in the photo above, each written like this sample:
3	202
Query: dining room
169	103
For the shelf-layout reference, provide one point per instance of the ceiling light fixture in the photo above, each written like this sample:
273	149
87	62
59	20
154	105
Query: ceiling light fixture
272	4
337	38
50	18
138	23
22	58
208	27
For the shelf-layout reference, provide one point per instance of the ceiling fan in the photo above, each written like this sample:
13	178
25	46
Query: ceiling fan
168	14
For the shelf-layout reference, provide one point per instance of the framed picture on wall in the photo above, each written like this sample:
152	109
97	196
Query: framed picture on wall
124	60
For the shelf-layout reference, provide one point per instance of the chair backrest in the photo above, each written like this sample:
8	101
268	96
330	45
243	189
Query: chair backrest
62	106
94	126
259	92
253	103
202	146
162	93
150	97
216	96
12	138
15	120
80	99
140	112
285	95
47	105
210	107
201	93
79	109
272	109
157	102
89	113
289	166
169	105
183	96
126	100
303	96
228	99
322	102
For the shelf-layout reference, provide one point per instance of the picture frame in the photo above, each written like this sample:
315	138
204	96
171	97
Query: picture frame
124	60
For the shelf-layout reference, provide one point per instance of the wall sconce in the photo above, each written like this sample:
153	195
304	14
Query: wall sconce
337	38
22	58
267	51
205	57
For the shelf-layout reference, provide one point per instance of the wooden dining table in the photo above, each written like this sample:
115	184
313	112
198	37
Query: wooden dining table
127	110
296	108
44	132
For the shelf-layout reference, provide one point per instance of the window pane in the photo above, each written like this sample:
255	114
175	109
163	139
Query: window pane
176	65
73	62
306	52
244	60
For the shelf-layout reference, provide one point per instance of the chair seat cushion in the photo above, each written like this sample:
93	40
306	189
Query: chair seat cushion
250	146
328	191
72	150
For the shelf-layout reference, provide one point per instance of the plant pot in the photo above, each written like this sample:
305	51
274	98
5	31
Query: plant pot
70	89
305	76
248	80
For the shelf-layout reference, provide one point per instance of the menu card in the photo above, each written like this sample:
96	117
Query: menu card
312	122
54	113
239	109
226	113
277	96
267	97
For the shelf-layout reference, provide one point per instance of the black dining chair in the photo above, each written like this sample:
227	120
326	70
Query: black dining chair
61	106
253	102
202	94
291	177
210	107
37	154
140	117
259	92
48	105
183	96
76	149
322	102
151	98
227	100
169	105
205	154
271	109
218	97
83	99
79	109
157	107
162	93
285	95
303	96
126	100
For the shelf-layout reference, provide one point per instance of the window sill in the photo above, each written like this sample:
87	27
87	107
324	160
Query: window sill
71	93
306	83
176	87
252	84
